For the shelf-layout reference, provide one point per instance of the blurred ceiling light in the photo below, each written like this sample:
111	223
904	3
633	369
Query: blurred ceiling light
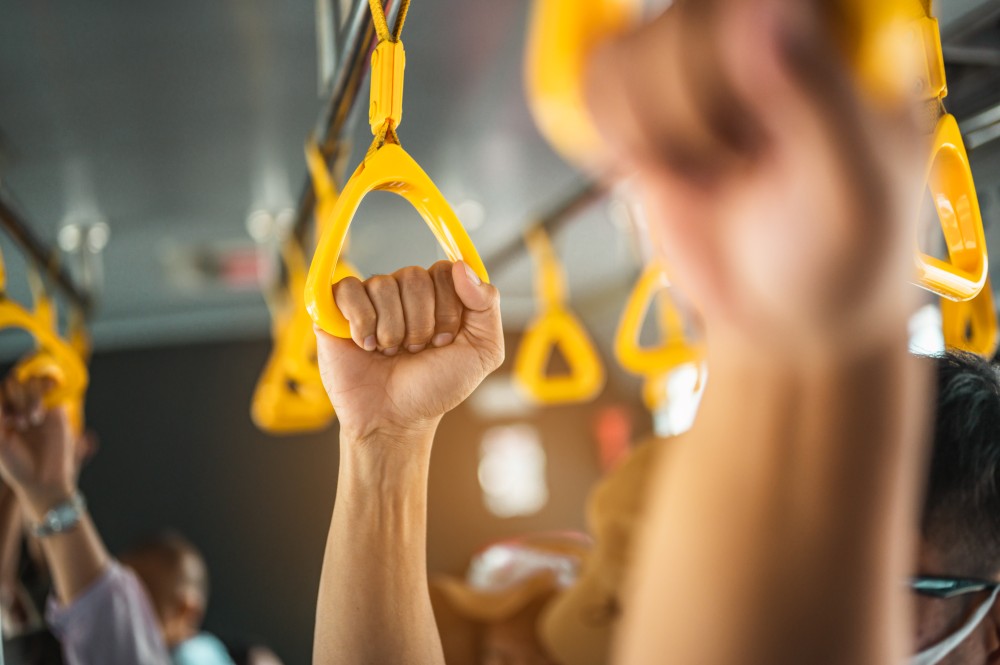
92	236
471	213
261	225
498	397
284	221
512	471
70	238
97	236
926	336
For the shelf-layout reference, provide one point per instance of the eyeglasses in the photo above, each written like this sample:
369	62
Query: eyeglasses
949	587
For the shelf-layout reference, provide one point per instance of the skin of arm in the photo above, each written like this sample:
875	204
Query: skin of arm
780	529
422	340
37	460
10	541
780	532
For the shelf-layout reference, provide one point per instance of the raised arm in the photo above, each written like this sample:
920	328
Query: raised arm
100	612
422	342
37	459
780	531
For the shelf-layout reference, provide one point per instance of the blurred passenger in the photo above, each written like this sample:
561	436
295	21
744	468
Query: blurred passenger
959	554
175	576
99	611
491	617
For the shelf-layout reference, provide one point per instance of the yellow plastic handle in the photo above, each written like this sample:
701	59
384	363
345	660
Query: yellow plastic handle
322	182
388	169
289	397
562	35
550	277
674	349
949	178
54	359
558	328
972	325
555	327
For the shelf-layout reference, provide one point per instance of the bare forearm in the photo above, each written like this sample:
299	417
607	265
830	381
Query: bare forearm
786	516
374	605
10	537
76	557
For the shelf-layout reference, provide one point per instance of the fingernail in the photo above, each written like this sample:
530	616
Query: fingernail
416	348
444	339
37	417
473	277
391	351
370	343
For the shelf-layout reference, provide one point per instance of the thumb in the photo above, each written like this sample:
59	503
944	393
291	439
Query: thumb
481	320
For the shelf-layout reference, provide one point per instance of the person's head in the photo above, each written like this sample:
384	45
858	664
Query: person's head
174	574
960	523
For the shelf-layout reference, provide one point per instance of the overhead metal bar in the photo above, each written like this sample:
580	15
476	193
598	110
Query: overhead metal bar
47	259
356	39
552	222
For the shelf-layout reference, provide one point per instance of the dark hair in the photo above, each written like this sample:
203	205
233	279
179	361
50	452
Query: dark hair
962	505
159	560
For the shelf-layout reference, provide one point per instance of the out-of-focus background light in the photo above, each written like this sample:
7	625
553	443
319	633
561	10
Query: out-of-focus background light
512	471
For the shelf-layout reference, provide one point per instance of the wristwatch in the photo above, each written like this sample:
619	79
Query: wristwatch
61	518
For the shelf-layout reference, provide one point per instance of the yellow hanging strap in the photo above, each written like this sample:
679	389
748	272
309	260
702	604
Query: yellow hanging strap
386	167
289	397
555	327
674	350
561	38
972	326
53	357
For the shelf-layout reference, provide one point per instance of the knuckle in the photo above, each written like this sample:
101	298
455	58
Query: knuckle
381	284
413	274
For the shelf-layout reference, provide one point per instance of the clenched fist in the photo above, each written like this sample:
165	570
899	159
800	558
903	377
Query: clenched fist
421	341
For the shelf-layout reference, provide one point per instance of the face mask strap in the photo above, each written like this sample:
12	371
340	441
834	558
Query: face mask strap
937	653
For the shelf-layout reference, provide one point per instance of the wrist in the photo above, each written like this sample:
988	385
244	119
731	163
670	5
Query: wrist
37	502
386	461
388	439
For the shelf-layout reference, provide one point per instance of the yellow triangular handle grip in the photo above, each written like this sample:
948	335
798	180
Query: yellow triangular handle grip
284	405
562	36
949	178
54	359
558	328
972	325
388	169
43	363
289	397
674	350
